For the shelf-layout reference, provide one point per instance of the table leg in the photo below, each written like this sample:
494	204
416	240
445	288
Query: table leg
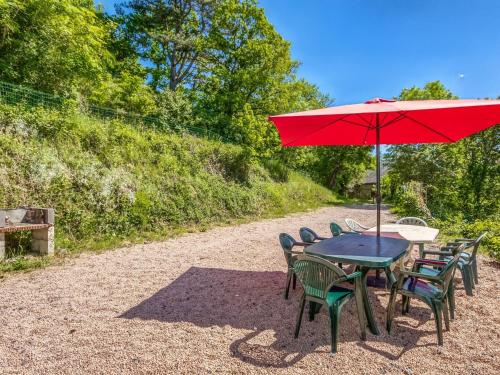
391	279
367	305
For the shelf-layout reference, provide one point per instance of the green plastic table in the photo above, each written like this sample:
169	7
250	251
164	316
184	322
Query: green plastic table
366	252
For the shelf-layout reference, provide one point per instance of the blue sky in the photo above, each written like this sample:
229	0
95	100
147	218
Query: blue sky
358	49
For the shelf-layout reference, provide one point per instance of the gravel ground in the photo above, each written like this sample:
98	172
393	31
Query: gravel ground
212	303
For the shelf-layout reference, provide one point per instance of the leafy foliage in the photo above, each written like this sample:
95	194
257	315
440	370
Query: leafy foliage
170	34
338	167
460	182
217	65
175	110
457	177
110	181
53	45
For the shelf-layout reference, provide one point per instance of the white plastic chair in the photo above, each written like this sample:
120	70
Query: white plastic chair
412	221
354	226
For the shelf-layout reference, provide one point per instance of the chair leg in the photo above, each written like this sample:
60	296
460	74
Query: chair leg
299	316
334	324
294	278
468	267
451	299
421	250
312	310
437	309
287	286
466	280
474	270
390	310
446	314
405	306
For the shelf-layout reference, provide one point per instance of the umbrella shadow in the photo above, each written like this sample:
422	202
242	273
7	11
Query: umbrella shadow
248	300
368	206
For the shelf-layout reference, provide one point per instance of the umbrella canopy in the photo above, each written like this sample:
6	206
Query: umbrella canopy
381	121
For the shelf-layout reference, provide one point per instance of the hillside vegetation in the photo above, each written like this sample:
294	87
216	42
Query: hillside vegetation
110	181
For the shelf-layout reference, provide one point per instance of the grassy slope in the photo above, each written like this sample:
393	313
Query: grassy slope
112	183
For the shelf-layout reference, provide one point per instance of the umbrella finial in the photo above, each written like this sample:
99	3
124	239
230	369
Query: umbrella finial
379	100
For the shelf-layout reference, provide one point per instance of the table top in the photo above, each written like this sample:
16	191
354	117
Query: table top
413	233
369	251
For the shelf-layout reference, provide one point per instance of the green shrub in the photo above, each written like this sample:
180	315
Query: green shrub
460	228
277	170
110	181
491	243
410	201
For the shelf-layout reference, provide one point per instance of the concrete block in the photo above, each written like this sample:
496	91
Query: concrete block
2	246
43	241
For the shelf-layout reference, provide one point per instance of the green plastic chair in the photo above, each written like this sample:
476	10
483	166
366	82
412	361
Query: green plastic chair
321	281
429	267
288	243
468	261
309	236
433	290
337	230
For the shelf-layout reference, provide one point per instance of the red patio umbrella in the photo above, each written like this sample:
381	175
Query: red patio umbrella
381	121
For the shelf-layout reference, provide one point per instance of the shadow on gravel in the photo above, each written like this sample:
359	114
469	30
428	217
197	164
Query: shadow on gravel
253	301
367	206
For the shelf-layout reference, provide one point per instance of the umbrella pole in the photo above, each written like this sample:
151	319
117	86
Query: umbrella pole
379	198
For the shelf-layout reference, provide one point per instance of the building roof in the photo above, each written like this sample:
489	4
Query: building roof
371	175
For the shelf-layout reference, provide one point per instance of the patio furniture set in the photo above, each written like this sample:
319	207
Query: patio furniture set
318	263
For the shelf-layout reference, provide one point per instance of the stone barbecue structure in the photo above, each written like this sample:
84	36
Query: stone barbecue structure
40	221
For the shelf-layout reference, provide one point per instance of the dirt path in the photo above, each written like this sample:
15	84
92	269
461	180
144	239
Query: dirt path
212	303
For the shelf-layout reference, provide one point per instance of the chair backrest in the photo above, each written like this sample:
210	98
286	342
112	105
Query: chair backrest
308	235
287	243
355	226
475	245
412	221
448	271
335	229
316	275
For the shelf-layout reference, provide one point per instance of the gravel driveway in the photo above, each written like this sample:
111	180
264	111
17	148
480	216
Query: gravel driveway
212	303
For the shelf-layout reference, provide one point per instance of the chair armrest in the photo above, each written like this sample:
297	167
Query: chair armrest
347	232
305	244
464	240
352	276
418	275
437	252
321	238
431	262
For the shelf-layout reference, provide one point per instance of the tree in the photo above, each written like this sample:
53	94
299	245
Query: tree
247	60
459	178
338	167
53	45
481	183
170	35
